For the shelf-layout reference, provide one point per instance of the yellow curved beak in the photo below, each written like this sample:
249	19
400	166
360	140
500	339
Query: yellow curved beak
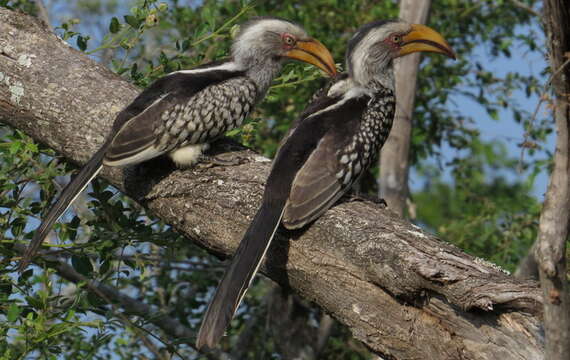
424	39
312	51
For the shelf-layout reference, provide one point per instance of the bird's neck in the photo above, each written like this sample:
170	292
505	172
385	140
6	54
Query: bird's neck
375	76
262	73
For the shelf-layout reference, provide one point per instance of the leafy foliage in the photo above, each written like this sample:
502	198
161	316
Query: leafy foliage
118	244
483	213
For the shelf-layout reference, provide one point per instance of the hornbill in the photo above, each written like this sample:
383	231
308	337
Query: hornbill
182	112
329	146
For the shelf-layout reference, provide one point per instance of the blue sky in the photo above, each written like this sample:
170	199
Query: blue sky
505	130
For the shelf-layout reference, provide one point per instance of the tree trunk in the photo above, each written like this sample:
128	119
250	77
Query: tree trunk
394	156
402	291
553	230
528	268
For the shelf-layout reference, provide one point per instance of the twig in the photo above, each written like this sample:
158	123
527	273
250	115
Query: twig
243	11
558	71
525	7
543	97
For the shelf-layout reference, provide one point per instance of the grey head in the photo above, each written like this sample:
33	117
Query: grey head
372	49
263	43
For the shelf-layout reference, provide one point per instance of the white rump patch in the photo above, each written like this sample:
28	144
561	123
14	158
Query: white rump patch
188	155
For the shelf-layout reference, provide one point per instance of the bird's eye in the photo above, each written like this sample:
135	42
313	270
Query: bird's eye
289	40
396	38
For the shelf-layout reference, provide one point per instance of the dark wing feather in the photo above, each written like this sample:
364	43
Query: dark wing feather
137	134
315	187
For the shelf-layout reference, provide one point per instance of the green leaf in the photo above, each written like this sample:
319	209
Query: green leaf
130	263
15	147
132	21
82	265
5	287
35	302
13	312
163	59
114	27
95	300
17	226
134	69
186	45
104	267
26	275
494	114
82	42
70	315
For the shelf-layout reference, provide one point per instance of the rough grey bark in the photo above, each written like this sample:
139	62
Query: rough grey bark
394	157
403	292
553	231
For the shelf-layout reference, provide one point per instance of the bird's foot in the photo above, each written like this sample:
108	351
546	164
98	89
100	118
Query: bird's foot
365	197
208	161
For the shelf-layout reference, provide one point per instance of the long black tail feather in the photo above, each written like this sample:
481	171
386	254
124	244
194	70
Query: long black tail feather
71	191
239	274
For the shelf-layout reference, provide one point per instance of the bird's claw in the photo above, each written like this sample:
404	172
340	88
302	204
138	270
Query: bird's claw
364	197
208	161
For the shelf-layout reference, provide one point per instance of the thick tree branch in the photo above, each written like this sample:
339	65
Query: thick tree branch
553	231
403	292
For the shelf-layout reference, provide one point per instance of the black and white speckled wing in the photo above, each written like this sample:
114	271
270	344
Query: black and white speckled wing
346	150
217	102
